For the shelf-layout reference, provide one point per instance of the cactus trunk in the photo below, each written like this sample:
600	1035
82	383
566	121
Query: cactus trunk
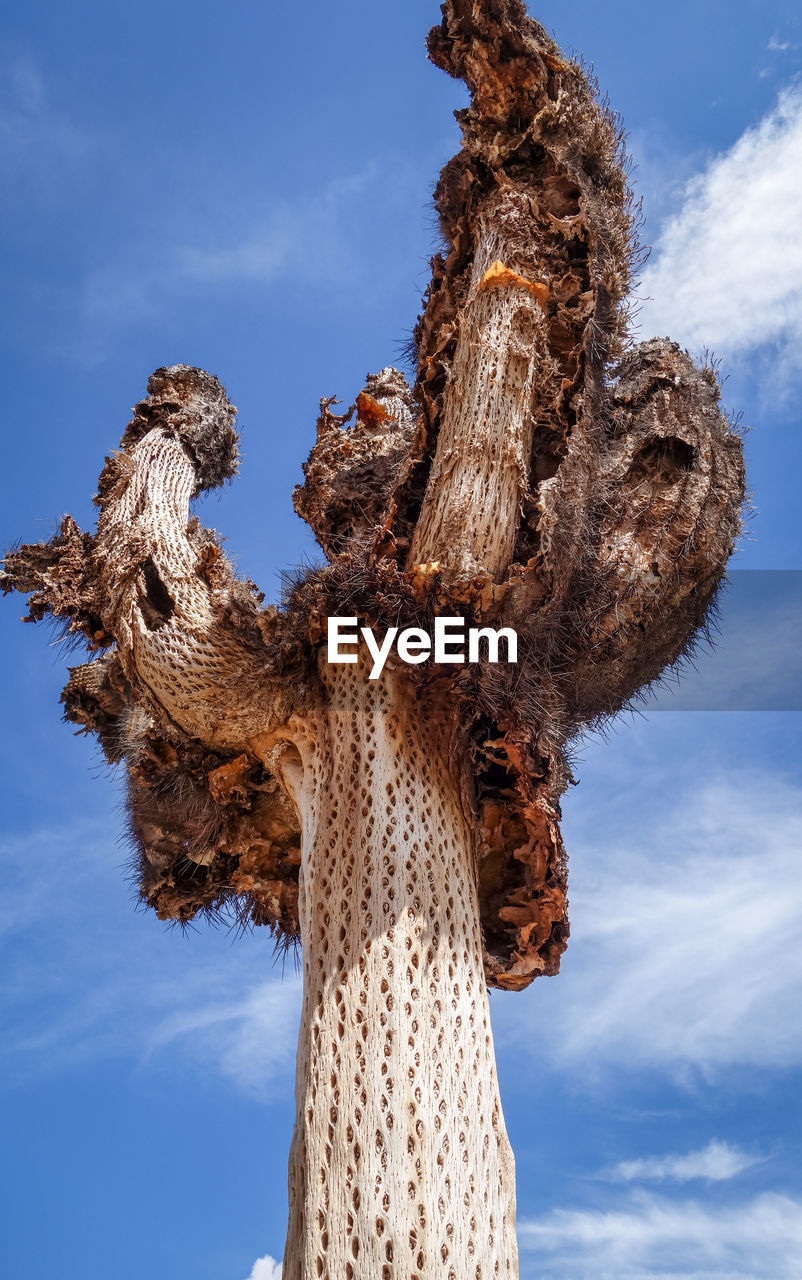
400	1167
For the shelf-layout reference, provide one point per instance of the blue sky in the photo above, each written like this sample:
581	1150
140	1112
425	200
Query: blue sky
229	187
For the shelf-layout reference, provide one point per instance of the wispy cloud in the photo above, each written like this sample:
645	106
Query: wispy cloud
685	948
289	242
252	1039
305	236
315	241
39	143
726	269
684	956
266	1269
157	995
40	868
649	1237
717	1162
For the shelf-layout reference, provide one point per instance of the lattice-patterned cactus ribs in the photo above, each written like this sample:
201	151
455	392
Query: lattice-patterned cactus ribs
543	474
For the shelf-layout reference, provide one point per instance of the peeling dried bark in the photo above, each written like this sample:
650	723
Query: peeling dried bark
543	474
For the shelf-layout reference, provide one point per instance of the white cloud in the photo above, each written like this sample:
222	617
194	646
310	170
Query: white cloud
251	1039
649	1236
266	1269
685	948
776	45
717	1162
726	270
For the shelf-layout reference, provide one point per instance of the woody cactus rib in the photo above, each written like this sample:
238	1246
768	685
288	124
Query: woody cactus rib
542	474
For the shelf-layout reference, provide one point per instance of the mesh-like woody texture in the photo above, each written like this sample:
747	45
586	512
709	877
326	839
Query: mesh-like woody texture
400	1163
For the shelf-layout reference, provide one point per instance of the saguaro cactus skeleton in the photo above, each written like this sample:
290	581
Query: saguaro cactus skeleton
543	474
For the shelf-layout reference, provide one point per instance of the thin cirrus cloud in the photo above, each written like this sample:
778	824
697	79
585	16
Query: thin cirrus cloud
301	240
39	143
648	1237
717	1162
726	269
307	236
684	953
250	1039
684	957
328	239
192	999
